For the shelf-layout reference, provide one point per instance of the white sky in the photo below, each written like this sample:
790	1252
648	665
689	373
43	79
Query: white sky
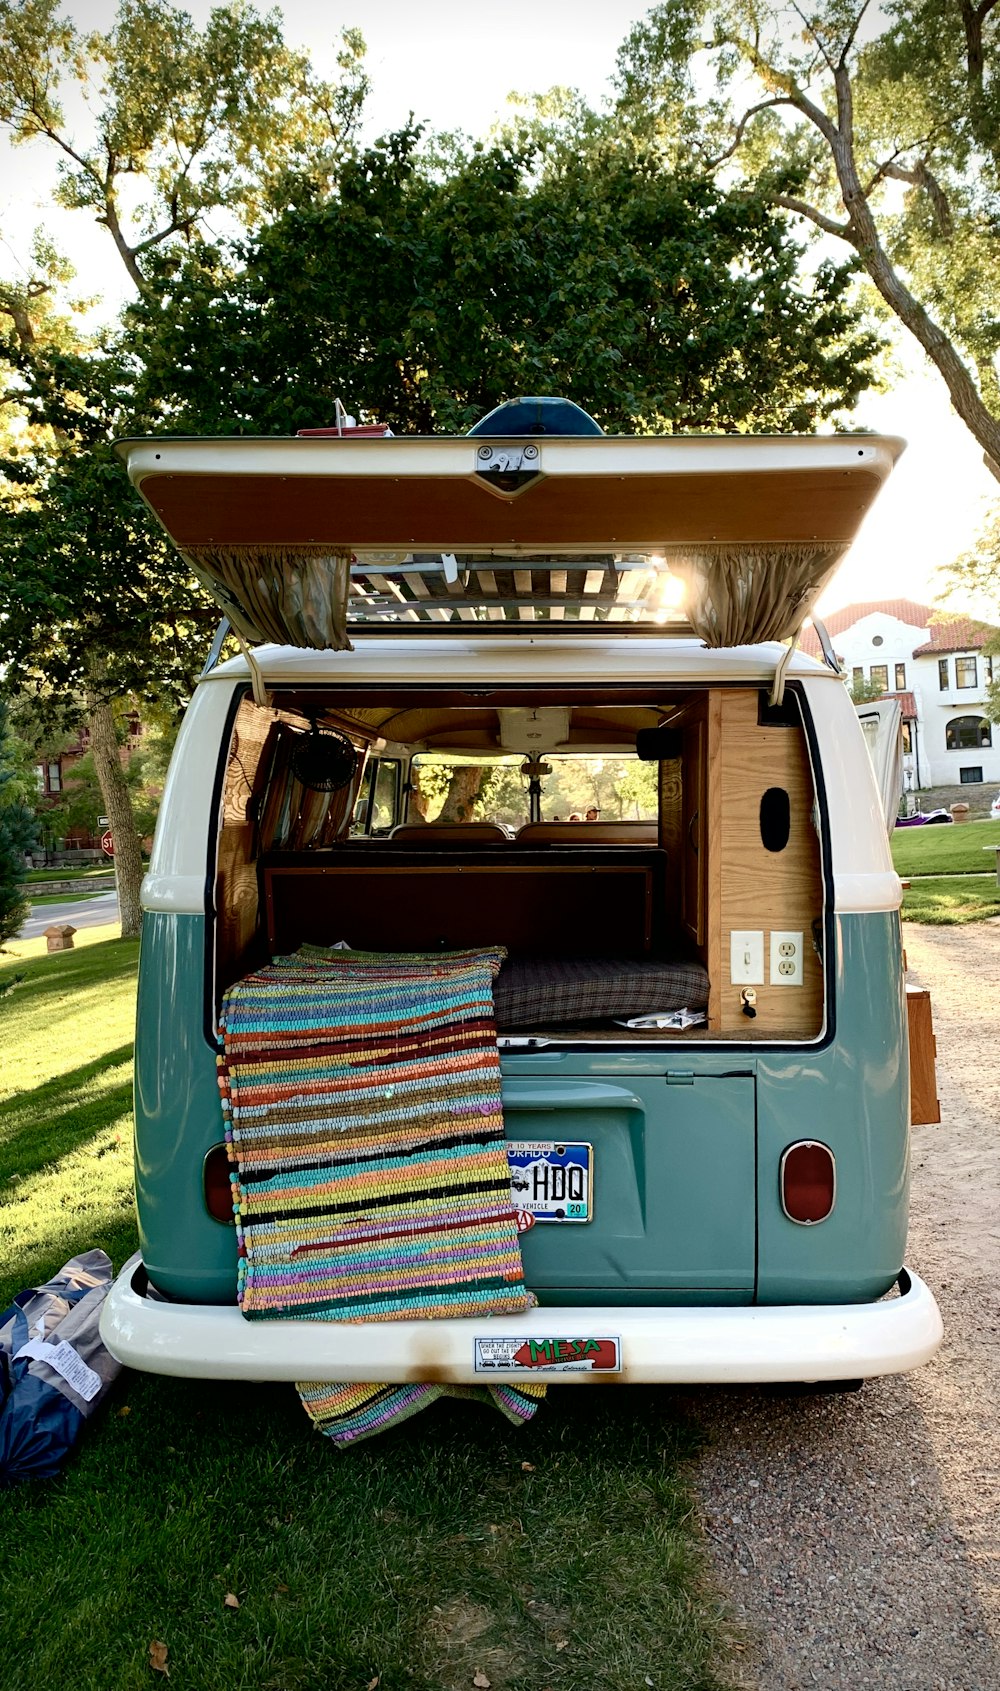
454	64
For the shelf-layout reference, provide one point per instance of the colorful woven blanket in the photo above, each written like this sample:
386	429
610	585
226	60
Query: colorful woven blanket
361	1093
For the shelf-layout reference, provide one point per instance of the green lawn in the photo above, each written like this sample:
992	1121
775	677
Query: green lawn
561	1555
74	873
62	897
944	900
948	849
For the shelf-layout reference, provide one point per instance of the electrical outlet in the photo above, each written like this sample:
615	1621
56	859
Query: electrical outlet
786	958
746	957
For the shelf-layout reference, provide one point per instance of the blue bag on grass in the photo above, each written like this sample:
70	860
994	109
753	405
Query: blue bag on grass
54	1370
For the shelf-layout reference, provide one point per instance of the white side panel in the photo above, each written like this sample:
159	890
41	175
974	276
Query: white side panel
178	868
864	879
882	725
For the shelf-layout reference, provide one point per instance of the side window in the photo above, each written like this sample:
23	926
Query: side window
378	798
384	809
359	819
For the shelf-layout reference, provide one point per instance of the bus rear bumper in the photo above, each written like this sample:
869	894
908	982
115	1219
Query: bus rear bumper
575	1346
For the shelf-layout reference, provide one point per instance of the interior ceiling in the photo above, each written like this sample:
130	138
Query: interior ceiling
430	727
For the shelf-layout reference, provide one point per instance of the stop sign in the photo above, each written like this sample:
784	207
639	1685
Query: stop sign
108	843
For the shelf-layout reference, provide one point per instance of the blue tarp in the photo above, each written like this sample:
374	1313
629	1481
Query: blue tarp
48	1390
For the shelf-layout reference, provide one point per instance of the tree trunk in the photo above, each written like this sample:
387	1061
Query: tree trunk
864	237
118	804
467	782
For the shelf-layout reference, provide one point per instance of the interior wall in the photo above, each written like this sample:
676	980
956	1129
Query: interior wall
753	888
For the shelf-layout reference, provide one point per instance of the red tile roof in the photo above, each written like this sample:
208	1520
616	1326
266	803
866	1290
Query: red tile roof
908	704
904	610
957	634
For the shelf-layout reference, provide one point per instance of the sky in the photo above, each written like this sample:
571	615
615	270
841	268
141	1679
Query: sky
453	64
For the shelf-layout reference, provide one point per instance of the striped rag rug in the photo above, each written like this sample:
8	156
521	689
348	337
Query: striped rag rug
361	1095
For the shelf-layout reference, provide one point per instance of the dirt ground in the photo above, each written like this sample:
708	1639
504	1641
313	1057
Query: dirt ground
858	1536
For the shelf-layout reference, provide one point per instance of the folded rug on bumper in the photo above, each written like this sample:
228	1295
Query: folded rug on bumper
361	1093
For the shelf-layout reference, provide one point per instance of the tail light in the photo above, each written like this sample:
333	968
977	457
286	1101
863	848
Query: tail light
808	1182
216	1172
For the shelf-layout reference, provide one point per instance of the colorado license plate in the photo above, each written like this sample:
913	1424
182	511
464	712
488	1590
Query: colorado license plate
551	1180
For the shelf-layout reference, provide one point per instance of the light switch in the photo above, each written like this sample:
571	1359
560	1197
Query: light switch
746	956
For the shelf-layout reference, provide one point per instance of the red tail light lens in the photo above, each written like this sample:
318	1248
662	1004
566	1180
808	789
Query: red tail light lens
808	1182
218	1186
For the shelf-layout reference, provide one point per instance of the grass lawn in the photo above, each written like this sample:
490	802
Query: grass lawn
63	898
949	899
944	849
559	1556
74	873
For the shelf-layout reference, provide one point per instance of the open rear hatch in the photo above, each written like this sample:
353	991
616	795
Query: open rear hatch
310	541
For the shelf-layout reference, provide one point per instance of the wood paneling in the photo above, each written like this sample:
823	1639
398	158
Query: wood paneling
534	910
759	889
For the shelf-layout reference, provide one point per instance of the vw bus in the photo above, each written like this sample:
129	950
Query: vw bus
701	1020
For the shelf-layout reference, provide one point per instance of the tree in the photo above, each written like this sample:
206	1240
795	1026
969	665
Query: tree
864	692
881	130
95	606
426	289
18	833
186	123
977	573
203	121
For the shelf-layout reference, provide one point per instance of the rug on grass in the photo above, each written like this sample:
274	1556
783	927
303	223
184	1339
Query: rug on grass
361	1093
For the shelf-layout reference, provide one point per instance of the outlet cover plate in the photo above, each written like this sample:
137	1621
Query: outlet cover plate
786	957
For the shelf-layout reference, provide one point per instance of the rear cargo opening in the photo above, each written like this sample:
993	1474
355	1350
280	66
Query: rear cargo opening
438	820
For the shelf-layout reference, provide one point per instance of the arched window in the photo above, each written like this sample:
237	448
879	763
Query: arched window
967	733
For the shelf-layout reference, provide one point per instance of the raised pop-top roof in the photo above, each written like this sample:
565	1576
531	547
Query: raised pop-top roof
307	541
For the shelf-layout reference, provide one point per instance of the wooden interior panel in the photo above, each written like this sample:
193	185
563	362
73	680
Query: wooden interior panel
603	512
534	910
760	889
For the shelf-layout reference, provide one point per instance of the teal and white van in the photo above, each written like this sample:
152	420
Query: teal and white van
702	1021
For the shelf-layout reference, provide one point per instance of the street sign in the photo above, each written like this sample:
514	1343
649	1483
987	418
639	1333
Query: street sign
104	821
108	843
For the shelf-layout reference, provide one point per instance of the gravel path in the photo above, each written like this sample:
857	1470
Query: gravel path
858	1536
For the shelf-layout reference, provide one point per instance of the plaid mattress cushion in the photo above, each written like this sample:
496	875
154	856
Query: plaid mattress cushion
551	990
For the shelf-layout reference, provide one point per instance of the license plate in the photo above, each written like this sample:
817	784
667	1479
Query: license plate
551	1180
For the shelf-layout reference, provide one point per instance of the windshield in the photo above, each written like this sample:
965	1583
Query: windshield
615	787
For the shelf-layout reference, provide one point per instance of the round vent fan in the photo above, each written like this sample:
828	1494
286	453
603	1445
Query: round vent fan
324	761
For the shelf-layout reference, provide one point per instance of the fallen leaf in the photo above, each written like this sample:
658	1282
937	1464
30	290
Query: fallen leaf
563	1644
230	1601
527	1467
126	1409
480	1680
158	1657
280	1590
373	1683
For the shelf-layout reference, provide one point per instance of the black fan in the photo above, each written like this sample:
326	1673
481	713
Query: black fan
324	760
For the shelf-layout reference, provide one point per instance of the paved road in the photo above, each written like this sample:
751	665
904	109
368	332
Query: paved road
82	913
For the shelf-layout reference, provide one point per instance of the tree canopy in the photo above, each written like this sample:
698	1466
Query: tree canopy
423	295
879	128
